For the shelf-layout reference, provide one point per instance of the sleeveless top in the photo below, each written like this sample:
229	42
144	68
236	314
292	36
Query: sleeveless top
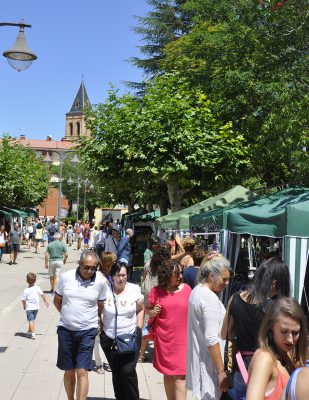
275	393
247	321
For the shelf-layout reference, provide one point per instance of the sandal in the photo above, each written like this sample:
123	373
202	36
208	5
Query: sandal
99	370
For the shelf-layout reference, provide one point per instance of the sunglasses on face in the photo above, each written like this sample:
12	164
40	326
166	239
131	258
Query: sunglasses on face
87	268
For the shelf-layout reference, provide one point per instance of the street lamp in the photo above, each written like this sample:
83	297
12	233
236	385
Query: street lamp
70	182
20	57
86	183
49	161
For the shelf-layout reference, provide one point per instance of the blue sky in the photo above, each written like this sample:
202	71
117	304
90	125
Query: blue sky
70	38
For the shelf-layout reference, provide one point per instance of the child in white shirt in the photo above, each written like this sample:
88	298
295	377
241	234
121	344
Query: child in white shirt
31	302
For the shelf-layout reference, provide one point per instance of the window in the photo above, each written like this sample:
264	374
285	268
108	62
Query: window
77	104
78	128
71	128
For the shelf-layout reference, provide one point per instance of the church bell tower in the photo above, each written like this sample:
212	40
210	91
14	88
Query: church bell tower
75	119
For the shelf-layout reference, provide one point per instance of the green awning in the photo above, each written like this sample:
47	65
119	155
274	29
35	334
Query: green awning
31	212
150	216
181	219
285	213
5	213
15	212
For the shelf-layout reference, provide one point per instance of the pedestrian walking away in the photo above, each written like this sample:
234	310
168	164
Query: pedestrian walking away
15	241
31	302
79	299
55	257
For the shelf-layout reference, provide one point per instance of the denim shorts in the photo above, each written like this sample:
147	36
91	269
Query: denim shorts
75	348
31	314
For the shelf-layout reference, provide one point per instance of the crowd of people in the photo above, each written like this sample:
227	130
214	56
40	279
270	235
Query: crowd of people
256	348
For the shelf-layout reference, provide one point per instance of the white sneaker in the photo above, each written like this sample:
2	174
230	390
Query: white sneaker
33	336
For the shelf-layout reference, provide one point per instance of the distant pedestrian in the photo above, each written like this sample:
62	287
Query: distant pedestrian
38	238
31	302
3	240
57	254
51	230
112	241
15	241
70	234
79	299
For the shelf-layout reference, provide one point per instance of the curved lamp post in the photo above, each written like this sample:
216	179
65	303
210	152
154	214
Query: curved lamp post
20	57
47	159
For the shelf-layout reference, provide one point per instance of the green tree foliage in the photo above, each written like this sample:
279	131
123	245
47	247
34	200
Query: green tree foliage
24	180
171	136
163	24
251	59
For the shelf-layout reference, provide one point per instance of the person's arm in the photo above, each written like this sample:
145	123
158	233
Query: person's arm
46	259
180	247
24	304
65	258
228	321
211	317
58	302
45	300
260	370
140	315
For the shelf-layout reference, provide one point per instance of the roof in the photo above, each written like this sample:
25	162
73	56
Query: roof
181	219
80	102
46	144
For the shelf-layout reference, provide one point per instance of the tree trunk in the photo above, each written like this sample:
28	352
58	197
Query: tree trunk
164	202
149	207
175	196
130	207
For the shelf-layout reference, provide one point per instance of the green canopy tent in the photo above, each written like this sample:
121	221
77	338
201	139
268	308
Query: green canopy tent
14	212
5	213
181	219
150	216
284	214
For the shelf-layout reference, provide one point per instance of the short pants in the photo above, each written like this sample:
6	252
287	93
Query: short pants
31	314
75	348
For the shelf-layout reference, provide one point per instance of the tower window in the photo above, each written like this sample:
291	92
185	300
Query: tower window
78	128
77	104
71	129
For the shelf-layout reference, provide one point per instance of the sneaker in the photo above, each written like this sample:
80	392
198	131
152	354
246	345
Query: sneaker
10	263
15	263
33	336
28	335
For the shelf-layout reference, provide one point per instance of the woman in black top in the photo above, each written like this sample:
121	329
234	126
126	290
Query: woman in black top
246	309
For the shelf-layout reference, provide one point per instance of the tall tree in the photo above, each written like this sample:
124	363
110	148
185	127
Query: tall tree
251	59
24	180
166	22
170	137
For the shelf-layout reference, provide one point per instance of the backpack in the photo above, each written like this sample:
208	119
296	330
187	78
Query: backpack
51	230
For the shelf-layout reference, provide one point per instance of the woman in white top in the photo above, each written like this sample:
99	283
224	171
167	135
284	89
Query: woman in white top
205	374
130	309
3	240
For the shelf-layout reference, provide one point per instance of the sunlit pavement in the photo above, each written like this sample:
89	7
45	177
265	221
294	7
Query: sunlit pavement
28	367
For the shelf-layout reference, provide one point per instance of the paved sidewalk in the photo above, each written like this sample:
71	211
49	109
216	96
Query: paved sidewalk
28	367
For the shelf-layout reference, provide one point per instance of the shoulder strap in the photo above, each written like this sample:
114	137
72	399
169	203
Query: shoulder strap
242	367
292	385
116	313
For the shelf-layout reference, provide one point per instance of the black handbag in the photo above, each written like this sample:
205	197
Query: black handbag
125	343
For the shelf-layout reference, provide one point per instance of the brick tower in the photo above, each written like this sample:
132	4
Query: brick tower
75	119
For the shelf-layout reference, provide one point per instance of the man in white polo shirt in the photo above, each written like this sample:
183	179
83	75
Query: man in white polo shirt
79	299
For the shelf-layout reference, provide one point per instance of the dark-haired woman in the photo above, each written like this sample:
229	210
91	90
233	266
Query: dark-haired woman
130	308
247	309
168	303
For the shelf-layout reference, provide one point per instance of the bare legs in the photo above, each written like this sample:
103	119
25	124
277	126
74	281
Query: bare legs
82	385
53	282
175	388
143	349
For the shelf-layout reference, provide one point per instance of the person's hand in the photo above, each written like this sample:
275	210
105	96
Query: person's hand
223	381
46	266
157	309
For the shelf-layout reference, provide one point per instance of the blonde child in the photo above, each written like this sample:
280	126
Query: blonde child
31	302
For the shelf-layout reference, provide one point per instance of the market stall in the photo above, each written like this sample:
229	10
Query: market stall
181	219
283	218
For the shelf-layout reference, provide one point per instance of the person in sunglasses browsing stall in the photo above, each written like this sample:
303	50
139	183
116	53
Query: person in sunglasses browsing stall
79	299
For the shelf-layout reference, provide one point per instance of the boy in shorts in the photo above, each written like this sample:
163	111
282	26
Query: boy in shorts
31	302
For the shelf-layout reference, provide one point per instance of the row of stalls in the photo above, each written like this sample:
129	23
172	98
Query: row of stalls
9	215
248	228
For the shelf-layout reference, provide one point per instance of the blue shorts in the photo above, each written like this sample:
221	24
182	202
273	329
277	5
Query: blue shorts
86	240
31	314
75	348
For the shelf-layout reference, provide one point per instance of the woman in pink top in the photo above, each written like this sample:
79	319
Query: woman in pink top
168	303
283	347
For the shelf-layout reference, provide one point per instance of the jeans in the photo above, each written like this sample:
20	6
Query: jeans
123	368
